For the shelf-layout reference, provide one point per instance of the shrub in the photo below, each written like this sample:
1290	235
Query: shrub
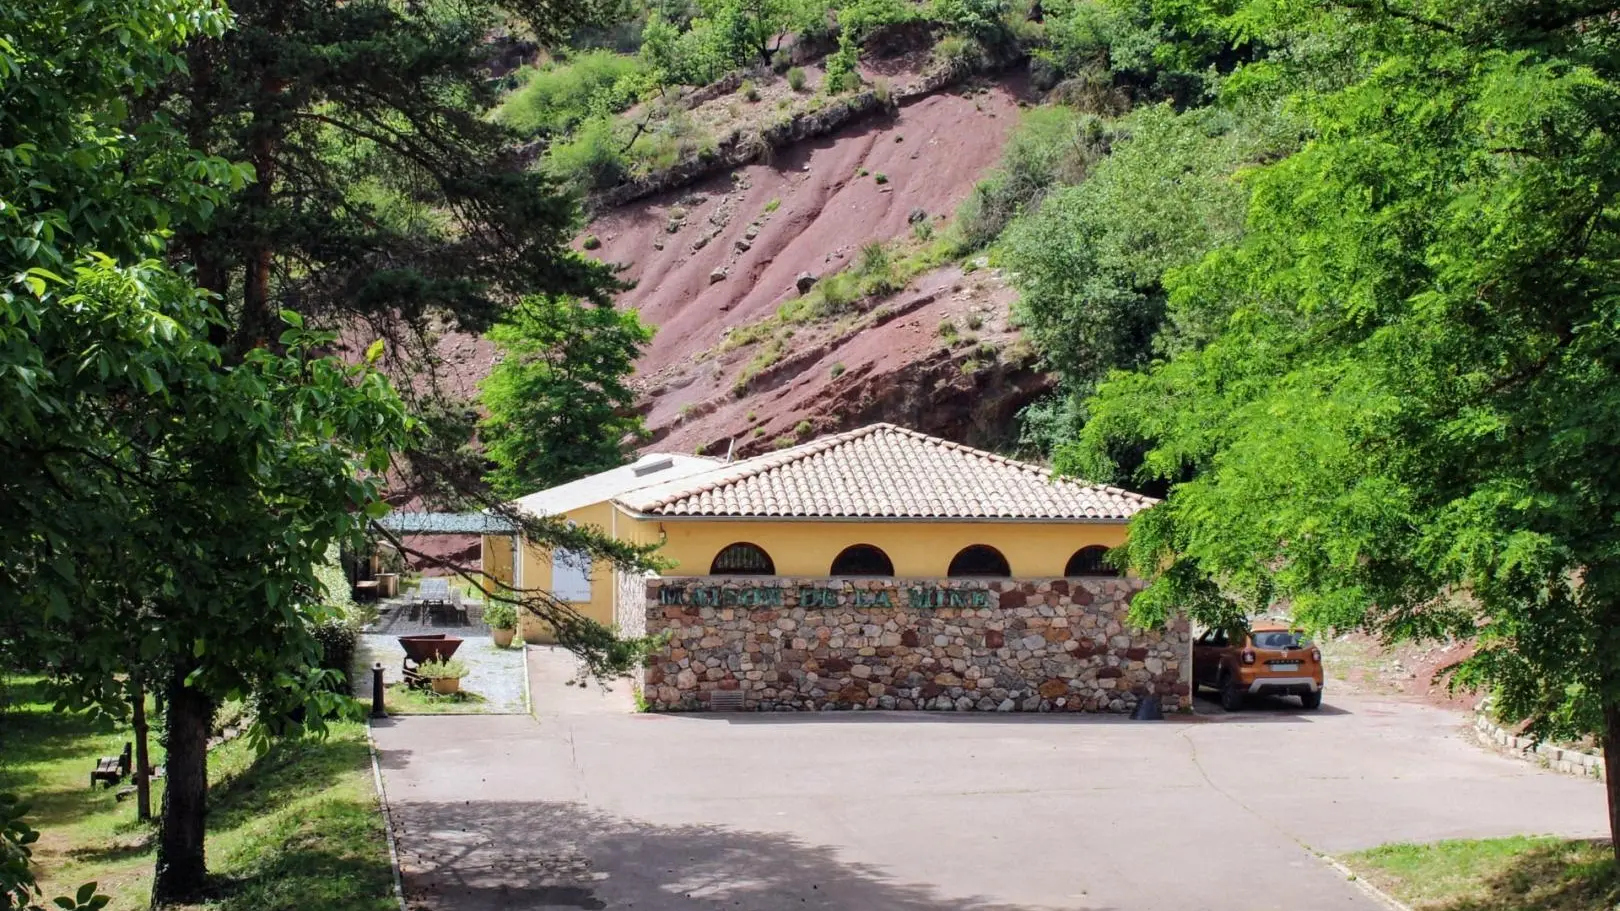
874	259
560	96
500	615
838	370
981	20
773	205
453	669
748	90
880	178
591	242
753	416
883	91
923	231
591	160
956	54
841	74
975	320
795	78
947	328
1051	146
338	639
803	428
782	442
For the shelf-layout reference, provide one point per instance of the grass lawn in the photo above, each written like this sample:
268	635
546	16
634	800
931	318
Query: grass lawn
1499	874
294	829
400	699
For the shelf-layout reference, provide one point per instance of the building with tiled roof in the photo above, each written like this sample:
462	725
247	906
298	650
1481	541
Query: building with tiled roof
878	568
879	500
883	472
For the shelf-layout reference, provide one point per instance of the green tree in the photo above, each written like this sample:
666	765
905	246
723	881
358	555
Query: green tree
1408	420
383	194
749	31
181	459
1089	263
558	403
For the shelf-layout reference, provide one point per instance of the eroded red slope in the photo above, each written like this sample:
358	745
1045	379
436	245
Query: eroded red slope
709	274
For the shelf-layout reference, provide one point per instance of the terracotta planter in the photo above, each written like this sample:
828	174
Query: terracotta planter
445	686
503	637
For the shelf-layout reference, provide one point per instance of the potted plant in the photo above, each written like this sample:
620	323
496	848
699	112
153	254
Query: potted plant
502	620
445	676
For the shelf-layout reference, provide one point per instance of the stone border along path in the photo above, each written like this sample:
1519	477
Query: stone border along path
1566	760
497	674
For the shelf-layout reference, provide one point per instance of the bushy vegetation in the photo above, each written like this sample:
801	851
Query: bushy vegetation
1090	261
555	99
1052	146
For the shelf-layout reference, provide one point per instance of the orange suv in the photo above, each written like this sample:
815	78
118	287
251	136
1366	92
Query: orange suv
1265	658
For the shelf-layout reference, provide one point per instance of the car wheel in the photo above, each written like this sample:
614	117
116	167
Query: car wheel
1311	700
1231	695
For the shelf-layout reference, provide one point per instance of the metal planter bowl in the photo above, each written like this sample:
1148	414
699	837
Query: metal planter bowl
429	647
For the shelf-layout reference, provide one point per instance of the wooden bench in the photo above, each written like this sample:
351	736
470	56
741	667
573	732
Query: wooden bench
110	770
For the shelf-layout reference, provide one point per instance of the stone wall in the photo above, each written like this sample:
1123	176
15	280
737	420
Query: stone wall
953	645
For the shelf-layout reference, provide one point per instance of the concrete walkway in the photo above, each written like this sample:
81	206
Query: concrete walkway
587	806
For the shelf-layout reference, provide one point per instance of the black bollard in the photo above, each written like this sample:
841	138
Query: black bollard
377	710
1147	709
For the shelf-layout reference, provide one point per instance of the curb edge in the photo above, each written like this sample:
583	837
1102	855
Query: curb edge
1379	895
388	818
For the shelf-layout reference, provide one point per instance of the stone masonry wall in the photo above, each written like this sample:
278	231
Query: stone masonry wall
1032	645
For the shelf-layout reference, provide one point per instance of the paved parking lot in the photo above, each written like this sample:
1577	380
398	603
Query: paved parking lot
590	807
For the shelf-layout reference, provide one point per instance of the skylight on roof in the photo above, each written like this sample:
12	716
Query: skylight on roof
652	463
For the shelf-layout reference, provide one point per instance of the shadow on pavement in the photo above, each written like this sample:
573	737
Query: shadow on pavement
924	717
1263	708
519	855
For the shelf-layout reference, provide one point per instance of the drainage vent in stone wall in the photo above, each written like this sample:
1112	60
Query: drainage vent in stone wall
726	701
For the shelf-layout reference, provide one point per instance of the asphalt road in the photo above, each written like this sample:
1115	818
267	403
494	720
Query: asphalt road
588	806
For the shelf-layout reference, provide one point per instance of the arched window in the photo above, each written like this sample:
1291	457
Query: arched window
1088	561
742	559
862	560
979	560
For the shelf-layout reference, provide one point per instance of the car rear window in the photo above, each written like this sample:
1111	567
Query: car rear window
1278	639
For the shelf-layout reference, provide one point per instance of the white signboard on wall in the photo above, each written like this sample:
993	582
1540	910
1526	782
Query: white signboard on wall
571	575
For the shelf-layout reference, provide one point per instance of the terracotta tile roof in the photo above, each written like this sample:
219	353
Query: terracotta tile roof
884	471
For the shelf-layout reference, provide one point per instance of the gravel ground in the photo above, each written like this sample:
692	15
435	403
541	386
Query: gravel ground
494	673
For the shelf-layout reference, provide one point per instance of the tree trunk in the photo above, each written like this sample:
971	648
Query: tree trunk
181	868
143	760
1611	772
258	327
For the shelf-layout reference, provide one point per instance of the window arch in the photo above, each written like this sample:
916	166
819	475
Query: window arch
742	559
1089	561
979	560
862	560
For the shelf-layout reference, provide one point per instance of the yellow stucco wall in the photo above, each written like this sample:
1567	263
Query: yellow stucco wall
803	548
496	561
807	548
537	574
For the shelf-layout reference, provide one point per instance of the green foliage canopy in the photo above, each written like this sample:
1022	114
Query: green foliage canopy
1407	419
1089	262
558	402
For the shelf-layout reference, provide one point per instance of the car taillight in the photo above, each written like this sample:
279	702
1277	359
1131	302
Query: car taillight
1316	655
1248	656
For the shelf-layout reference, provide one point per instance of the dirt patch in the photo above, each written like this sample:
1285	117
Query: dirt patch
1359	664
